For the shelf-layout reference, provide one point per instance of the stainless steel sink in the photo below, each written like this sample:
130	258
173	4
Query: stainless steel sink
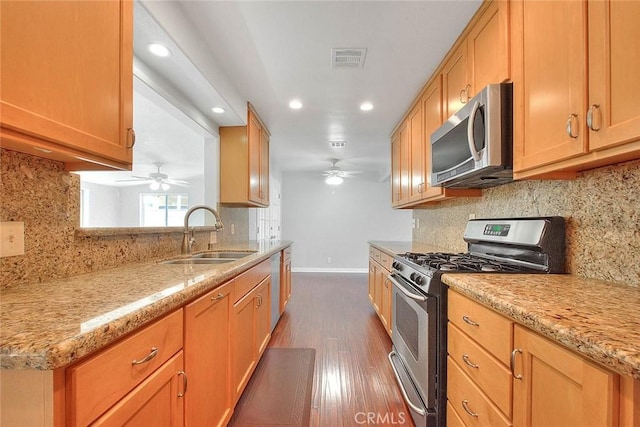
209	261
223	255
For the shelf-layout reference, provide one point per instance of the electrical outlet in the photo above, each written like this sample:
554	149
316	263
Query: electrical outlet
11	238
329	260
233	229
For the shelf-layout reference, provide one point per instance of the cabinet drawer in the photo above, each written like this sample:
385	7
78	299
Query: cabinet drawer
491	330
467	399
386	260
486	371
453	419
99	382
374	253
247	280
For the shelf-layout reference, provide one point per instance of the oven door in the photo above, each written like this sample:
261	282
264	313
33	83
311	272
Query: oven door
414	337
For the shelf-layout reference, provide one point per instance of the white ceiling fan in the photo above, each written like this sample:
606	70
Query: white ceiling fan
157	180
335	176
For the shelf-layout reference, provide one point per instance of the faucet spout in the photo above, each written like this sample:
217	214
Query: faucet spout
187	237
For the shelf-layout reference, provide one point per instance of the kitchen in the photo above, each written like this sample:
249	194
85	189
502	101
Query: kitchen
600	205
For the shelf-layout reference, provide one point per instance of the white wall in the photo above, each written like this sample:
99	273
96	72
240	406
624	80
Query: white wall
102	209
337	222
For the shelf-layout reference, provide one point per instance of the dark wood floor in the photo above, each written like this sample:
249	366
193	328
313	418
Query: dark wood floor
353	380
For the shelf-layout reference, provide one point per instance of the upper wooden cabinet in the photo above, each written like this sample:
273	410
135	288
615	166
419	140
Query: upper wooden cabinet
575	108
66	91
411	153
244	163
480	58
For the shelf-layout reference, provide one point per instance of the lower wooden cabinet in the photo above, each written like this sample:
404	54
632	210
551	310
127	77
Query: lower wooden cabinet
251	332
158	401
285	279
207	344
539	384
114	375
556	387
379	286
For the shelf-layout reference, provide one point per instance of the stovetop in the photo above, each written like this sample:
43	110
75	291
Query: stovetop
461	262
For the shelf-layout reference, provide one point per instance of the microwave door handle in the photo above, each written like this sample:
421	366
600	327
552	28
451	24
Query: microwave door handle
472	145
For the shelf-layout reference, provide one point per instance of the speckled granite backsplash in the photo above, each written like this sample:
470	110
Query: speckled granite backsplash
47	199
602	208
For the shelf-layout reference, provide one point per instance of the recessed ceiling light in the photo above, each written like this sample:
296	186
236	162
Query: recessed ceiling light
159	50
366	106
218	110
296	104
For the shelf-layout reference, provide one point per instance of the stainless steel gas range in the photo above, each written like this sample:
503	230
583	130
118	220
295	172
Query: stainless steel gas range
419	299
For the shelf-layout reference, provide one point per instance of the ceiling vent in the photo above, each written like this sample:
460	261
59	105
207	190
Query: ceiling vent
338	144
348	58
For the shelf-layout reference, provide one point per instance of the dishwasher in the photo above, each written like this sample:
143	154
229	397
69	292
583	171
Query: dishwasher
275	290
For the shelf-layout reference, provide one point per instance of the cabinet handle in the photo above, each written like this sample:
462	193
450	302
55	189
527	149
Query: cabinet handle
465	405
184	383
217	297
465	358
131	136
512	363
469	321
467	91
572	117
462	101
148	357
590	117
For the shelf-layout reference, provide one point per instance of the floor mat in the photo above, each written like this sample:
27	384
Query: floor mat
279	392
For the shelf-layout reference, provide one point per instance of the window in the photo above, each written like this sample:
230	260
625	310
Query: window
163	210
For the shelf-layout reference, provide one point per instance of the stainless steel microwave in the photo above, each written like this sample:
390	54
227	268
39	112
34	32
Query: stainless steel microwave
473	149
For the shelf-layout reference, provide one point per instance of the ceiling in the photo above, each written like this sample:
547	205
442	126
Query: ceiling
269	52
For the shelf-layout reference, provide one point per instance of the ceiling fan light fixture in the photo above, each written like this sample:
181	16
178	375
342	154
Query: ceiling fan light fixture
155	185
165	186
334	180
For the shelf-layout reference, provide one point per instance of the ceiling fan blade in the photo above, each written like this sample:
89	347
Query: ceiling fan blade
176	181
137	179
179	184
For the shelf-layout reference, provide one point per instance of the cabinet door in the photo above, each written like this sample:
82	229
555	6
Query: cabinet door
158	401
381	282
67	79
386	302
255	144
432	110
405	156
395	169
417	176
263	316
549	74
455	81
372	281
208	358
614	67
285	281
558	387
488	47
264	168
243	359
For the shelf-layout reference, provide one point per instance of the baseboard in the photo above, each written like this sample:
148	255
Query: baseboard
329	270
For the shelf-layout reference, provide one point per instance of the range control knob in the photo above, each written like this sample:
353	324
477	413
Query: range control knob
412	276
418	279
396	265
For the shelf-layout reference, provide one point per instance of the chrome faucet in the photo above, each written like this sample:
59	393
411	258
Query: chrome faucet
187	237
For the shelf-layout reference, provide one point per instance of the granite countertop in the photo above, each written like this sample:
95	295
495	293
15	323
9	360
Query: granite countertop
597	319
50	325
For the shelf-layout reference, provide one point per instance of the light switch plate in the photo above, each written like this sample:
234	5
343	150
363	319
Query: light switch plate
11	238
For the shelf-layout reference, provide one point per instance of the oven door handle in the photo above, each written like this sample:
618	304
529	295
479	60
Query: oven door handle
418	409
404	291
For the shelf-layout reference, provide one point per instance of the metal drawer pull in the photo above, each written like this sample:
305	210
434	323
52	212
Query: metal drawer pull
217	297
572	117
465	358
469	321
465	405
154	353
184	383
590	117
512	364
